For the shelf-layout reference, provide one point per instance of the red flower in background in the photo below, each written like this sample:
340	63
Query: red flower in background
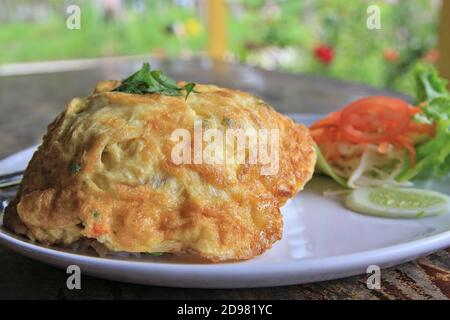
324	53
432	56
390	55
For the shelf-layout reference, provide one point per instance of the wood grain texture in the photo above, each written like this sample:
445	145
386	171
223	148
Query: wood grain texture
29	103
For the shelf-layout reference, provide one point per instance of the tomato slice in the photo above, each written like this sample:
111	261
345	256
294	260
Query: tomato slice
331	120
374	119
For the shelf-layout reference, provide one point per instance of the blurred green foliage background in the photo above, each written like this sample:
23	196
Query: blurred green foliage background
320	37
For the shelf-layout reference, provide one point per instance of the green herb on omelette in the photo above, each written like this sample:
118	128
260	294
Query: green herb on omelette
75	167
227	122
96	215
155	254
146	80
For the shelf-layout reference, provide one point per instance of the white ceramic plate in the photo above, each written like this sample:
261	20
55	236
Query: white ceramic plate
322	240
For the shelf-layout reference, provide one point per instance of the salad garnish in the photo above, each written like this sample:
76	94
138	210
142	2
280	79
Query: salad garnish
379	141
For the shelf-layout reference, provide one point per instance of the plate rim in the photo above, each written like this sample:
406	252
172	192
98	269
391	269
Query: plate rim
410	248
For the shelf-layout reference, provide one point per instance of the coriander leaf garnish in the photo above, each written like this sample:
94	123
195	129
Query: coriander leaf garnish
189	88
227	122
156	254
163	80
75	167
146	80
96	215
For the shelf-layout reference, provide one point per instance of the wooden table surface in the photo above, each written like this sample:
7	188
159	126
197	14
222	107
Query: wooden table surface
28	102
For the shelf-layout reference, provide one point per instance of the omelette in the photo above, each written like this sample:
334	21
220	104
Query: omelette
105	172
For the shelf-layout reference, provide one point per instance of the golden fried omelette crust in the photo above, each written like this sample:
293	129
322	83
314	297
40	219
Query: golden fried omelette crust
104	171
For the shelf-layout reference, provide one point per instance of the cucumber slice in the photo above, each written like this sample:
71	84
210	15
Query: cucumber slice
397	202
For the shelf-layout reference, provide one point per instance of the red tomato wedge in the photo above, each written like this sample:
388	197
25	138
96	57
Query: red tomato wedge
374	119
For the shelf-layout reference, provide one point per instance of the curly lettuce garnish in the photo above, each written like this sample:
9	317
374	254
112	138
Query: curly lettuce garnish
433	156
428	84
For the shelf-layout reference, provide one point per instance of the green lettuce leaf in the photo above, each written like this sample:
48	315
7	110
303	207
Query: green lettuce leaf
433	156
322	166
428	84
